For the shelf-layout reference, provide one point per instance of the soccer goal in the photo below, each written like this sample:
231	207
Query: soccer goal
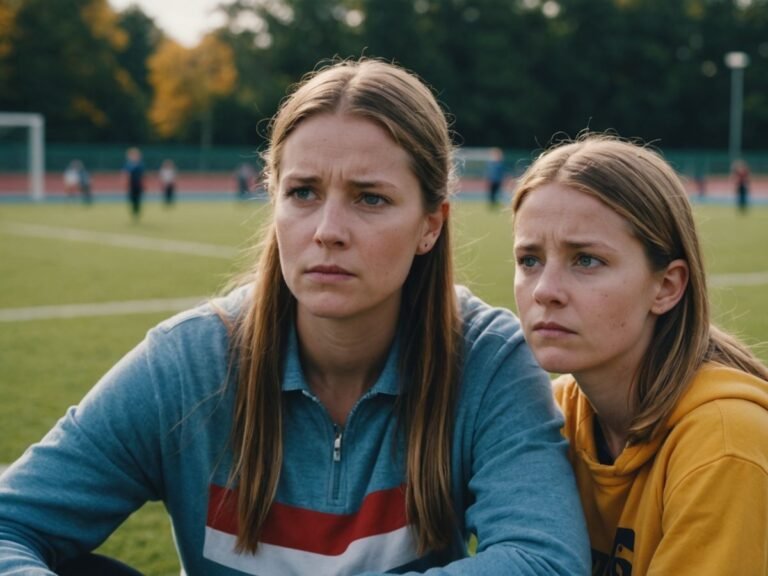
35	165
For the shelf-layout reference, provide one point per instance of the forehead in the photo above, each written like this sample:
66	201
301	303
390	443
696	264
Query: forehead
339	135
565	211
349	150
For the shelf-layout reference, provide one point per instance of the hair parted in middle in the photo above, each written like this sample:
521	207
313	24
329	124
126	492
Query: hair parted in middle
640	186
429	325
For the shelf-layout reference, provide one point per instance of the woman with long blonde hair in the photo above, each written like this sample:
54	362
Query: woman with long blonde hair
346	410
666	415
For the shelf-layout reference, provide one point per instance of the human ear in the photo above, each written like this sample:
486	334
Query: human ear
672	286
433	226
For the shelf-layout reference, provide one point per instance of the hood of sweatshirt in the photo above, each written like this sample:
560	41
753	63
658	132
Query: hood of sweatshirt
713	382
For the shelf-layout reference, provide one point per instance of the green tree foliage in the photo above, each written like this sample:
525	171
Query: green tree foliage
144	37
187	82
514	72
275	43
511	72
63	63
8	10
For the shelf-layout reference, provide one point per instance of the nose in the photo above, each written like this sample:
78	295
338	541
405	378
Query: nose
332	228
549	287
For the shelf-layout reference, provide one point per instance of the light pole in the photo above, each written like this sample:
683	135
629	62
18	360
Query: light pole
736	61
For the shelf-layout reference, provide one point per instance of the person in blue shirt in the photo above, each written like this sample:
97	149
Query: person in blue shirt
344	409
134	171
494	174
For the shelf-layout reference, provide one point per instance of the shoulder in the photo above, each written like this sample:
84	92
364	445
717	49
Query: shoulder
506	397
495	351
728	418
204	327
185	359
483	321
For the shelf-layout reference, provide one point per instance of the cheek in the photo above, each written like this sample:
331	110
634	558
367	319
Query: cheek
283	250
394	242
395	259
290	232
286	249
280	226
390	259
522	294
519	297
618	314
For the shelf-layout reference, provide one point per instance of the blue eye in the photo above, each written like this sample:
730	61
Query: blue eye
301	193
372	199
587	261
527	261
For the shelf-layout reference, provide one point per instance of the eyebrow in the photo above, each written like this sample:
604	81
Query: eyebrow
301	179
571	245
372	184
356	183
589	244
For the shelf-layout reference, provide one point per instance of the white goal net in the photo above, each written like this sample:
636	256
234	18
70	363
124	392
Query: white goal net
34	166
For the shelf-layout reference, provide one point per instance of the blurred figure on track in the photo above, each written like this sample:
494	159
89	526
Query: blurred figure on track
71	178
495	176
83	182
78	181
245	180
134	170
740	172
168	181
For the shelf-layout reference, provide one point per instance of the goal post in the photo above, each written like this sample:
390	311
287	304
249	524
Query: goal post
36	137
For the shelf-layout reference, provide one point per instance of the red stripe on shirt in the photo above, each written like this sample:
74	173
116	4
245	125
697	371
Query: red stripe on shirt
319	532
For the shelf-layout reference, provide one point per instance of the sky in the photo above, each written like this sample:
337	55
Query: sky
184	20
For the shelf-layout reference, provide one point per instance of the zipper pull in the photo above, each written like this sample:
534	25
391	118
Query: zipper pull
337	447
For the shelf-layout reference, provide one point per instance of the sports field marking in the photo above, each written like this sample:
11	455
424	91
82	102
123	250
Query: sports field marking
121	240
98	309
743	279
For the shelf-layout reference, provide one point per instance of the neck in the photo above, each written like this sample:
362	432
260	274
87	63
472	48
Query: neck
615	438
614	408
342	359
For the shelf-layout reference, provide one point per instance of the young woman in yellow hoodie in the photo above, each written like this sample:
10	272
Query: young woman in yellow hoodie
667	416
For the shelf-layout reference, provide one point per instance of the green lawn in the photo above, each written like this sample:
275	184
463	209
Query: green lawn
47	365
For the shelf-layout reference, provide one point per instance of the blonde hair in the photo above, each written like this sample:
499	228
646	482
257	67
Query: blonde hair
640	186
430	325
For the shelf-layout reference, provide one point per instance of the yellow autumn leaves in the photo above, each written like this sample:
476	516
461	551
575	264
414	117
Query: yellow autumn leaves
186	80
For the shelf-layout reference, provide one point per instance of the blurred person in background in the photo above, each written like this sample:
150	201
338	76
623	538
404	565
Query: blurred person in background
666	415
494	175
245	178
71	179
740	172
78	181
84	183
134	171
167	176
345	409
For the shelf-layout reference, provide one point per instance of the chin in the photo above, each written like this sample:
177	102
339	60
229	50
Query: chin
328	312
325	307
555	362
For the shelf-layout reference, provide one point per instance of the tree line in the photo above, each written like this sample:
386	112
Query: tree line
511	73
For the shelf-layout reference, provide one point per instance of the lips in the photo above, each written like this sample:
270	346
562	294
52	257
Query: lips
328	274
551	328
331	270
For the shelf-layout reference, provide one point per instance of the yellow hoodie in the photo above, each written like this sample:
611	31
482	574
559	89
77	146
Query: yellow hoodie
693	500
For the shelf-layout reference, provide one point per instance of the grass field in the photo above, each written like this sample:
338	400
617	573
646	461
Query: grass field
52	255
